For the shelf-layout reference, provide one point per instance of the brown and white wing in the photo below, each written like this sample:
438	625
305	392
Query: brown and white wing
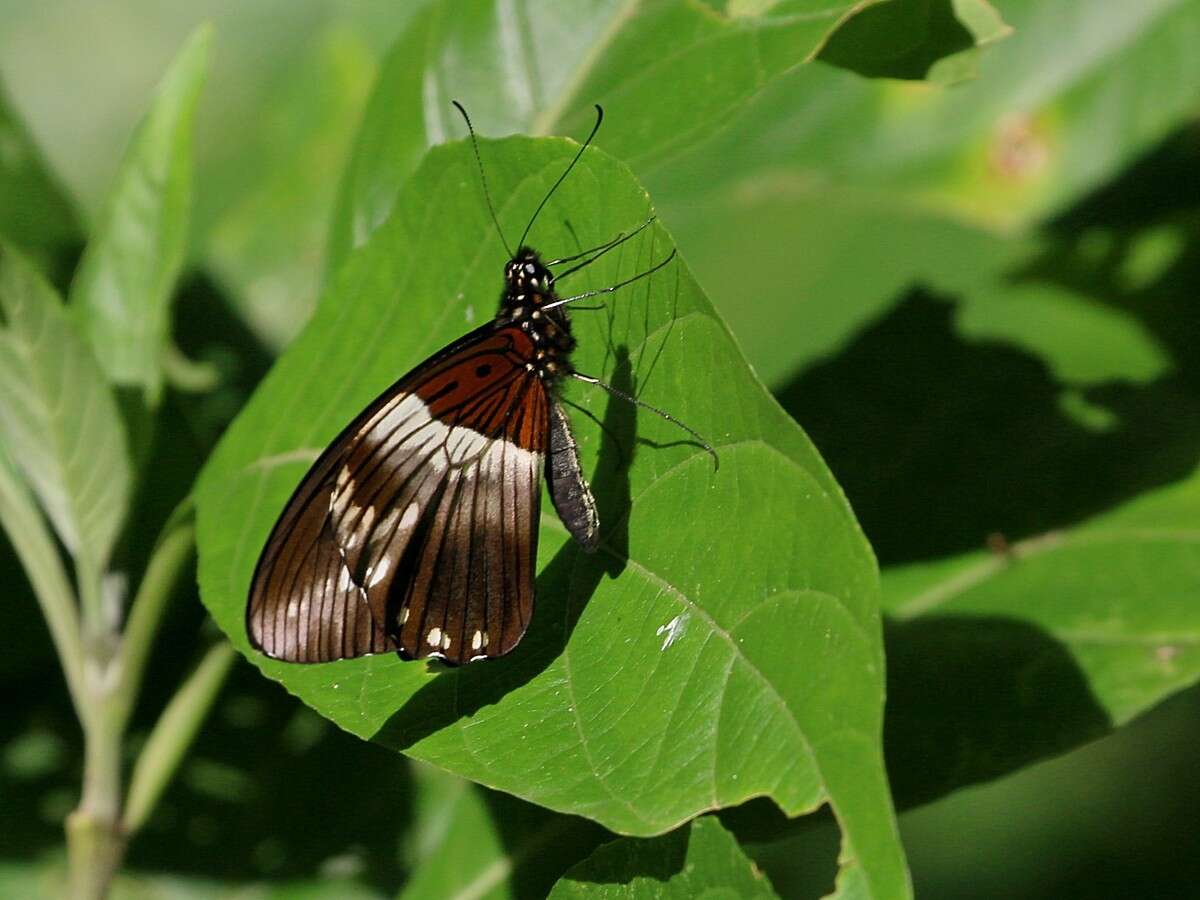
421	515
470	593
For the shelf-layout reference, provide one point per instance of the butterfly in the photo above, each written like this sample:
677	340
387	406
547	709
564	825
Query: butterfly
416	530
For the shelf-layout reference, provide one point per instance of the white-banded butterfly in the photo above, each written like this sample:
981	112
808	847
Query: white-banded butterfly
416	530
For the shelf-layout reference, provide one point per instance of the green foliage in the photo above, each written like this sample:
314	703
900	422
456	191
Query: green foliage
916	39
1047	369
977	302
1120	634
123	288
633	729
694	65
700	860
932	187
59	422
34	215
476	843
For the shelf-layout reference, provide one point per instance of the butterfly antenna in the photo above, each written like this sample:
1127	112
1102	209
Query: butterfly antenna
566	172
483	178
629	398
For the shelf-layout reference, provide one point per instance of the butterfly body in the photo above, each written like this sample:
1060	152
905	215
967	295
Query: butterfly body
416	530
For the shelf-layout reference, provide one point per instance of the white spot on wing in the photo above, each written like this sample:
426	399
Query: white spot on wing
404	615
379	571
435	637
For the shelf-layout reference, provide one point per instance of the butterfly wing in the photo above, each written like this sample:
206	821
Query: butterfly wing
417	529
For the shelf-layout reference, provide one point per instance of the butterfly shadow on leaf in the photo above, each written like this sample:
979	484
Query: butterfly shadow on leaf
564	586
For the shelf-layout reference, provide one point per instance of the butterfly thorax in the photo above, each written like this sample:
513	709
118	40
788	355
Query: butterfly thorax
528	290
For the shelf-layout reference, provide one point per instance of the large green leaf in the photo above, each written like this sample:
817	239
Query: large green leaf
123	287
1039	646
667	74
58	420
768	681
34	213
699	860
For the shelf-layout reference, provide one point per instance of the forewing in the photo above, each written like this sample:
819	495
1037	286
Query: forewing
357	535
304	605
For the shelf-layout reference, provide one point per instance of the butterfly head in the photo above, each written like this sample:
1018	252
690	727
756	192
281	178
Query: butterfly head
525	274
528	290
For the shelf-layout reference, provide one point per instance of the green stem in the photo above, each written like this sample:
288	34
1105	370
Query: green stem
145	614
94	852
173	733
95	844
113	665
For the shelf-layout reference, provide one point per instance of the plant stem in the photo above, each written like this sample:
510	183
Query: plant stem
95	843
111	676
145	614
172	734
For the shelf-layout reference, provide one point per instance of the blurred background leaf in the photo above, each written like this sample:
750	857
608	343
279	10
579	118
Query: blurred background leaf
287	83
983	680
124	284
916	40
59	423
874	186
596	713
472	842
693	65
701	859
36	216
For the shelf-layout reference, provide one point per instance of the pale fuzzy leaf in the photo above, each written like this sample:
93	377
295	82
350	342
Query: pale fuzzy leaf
122	290
58	420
